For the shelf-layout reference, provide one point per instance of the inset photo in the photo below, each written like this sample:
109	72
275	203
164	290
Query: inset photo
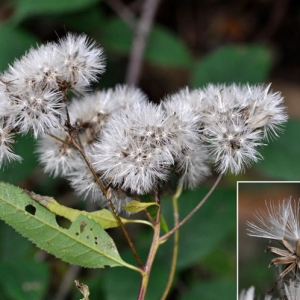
268	240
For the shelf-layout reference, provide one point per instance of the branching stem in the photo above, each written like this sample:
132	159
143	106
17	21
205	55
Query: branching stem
164	237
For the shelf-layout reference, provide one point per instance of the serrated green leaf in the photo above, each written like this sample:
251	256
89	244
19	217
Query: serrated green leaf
28	8
233	64
85	243
136	206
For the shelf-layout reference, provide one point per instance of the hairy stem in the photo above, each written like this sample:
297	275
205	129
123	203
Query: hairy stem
164	237
176	242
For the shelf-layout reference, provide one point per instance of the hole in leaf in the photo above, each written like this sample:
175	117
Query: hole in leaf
88	237
63	222
77	233
30	209
82	226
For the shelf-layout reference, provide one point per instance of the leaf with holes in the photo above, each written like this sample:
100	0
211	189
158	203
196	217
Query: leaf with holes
85	243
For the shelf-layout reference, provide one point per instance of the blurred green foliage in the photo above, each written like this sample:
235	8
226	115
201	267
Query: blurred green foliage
207	252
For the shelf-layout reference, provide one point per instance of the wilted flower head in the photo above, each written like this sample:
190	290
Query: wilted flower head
279	222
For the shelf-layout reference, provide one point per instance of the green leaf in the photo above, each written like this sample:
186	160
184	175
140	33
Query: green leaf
13	44
24	280
281	157
166	49
229	64
137	206
163	224
105	218
85	243
28	8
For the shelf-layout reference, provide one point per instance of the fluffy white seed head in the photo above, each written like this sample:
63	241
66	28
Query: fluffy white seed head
134	152
81	60
41	111
190	160
6	141
57	158
85	185
93	111
143	144
278	222
235	120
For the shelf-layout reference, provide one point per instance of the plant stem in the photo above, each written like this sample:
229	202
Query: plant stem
139	43
152	252
176	242
106	194
164	237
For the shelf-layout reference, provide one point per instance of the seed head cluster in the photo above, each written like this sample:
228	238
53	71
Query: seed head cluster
132	144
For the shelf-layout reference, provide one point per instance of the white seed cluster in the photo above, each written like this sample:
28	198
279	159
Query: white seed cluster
133	145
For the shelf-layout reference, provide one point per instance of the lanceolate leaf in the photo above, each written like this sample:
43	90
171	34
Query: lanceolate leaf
136	206
85	243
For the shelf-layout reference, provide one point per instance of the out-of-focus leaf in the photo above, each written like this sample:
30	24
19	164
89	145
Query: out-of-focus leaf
281	157
163	224
211	290
85	243
23	280
92	21
166	49
28	8
163	47
13	44
116	36
233	64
